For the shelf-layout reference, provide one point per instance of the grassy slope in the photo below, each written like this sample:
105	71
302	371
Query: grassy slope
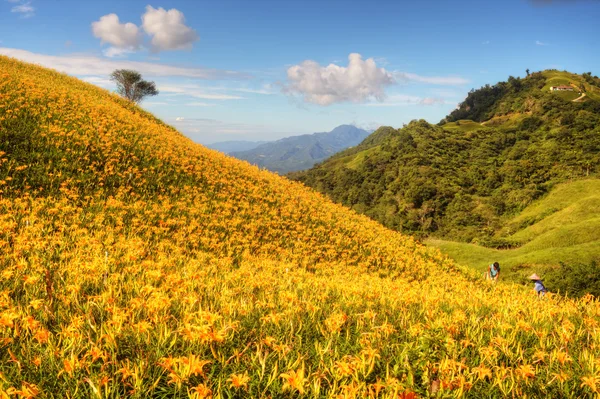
564	226
556	78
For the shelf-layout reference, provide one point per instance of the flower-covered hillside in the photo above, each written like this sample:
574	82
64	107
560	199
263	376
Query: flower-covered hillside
135	263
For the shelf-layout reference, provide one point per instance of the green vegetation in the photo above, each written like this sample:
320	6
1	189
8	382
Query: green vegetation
510	176
131	86
562	227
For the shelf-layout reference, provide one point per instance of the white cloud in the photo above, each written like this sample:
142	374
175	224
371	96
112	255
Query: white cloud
99	81
437	80
253	91
432	101
206	130
124	38
168	29
359	81
539	43
196	92
115	52
199	104
399	100
26	9
82	65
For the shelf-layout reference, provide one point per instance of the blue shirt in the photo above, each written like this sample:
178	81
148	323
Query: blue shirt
539	287
493	271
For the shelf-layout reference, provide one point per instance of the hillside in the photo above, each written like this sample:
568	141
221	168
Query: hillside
506	146
563	226
136	263
302	152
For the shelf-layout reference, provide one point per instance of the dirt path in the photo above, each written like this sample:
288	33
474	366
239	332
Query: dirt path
580	98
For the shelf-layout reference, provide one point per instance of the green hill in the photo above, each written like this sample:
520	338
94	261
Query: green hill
490	173
564	226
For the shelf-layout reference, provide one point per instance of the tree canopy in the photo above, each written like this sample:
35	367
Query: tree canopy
131	86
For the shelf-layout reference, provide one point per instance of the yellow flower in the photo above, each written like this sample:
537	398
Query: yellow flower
591	382
525	371
239	380
294	380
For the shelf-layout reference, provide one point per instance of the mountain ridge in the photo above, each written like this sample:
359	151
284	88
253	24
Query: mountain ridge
302	151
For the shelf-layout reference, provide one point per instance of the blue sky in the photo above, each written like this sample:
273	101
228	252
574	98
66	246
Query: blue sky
262	70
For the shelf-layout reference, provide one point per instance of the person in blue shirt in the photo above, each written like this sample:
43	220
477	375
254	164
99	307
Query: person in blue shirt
493	271
538	287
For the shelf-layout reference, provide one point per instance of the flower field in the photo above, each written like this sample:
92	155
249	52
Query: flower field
135	263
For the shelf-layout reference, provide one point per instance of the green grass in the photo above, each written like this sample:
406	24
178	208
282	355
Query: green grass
567	95
505	121
357	159
556	78
564	227
465	125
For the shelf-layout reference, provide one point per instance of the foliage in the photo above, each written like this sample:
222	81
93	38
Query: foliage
131	86
504	147
576	280
137	263
563	226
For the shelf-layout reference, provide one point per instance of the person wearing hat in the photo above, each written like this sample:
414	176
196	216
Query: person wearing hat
538	287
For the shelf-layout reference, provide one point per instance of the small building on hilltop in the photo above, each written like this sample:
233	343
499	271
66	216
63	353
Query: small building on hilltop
561	88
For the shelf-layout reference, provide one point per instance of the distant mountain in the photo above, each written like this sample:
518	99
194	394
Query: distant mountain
235	145
302	152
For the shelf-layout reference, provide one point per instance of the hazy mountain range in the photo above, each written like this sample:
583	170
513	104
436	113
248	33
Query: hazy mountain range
294	153
235	145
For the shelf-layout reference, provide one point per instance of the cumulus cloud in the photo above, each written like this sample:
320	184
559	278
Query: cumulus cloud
25	9
168	29
325	85
86	65
123	37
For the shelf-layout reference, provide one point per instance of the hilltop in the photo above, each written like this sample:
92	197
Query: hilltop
137	263
302	152
468	177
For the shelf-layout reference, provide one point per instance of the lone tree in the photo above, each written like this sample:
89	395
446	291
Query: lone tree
527	70
131	86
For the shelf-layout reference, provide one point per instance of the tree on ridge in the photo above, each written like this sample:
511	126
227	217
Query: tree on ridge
131	86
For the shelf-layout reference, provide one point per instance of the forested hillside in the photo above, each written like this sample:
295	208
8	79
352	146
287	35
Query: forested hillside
504	147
